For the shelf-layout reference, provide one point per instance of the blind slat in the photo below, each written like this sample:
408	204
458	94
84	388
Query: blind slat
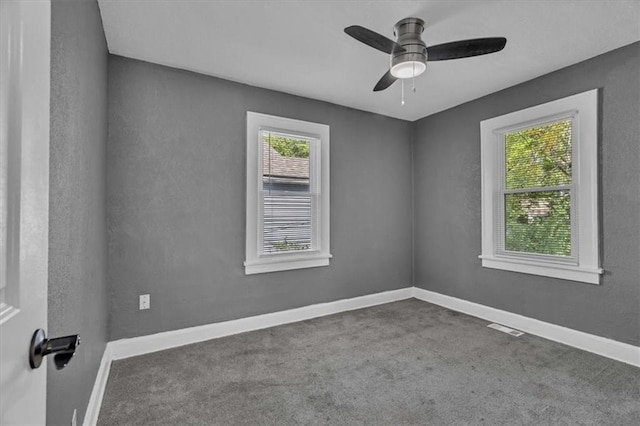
286	223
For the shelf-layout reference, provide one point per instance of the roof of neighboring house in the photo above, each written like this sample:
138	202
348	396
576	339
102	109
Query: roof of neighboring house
274	164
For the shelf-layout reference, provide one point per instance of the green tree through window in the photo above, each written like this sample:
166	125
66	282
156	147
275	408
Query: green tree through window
289	147
538	189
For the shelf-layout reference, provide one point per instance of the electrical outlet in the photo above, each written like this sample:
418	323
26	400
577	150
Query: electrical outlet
145	301
74	418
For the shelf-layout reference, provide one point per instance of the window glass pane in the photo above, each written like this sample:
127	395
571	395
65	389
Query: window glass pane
539	156
286	195
538	222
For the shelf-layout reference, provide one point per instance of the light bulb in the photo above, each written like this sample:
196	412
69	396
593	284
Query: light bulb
408	69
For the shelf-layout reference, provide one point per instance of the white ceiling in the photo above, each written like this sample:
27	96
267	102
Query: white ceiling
299	47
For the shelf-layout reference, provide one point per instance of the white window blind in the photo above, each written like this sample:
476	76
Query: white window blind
287	196
536	205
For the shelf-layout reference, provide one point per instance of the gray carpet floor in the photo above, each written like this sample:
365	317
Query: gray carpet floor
406	362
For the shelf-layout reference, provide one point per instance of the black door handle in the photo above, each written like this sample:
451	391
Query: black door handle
63	347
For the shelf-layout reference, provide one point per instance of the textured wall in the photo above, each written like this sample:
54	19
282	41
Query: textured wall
447	203
176	201
77	225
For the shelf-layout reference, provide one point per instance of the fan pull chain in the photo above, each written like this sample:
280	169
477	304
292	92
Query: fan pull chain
402	82
414	78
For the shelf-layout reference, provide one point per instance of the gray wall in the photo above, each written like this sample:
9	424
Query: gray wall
77	226
447	203
176	201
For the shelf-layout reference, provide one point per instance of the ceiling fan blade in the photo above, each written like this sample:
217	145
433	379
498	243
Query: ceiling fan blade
386	81
465	48
373	39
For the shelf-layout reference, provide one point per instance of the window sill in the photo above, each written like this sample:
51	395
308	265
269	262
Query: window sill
564	272
285	263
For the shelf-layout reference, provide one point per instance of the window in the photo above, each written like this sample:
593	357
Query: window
287	194
539	190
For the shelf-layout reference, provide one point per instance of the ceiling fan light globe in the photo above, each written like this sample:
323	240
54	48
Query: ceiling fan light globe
408	69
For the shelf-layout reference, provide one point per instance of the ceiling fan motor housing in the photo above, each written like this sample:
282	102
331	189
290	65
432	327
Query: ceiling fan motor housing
408	33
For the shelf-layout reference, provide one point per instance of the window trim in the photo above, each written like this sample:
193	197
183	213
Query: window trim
583	108
257	262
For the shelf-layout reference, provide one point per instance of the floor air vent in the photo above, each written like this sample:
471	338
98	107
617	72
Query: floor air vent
506	329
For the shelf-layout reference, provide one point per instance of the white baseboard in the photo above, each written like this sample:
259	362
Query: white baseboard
599	345
95	401
126	348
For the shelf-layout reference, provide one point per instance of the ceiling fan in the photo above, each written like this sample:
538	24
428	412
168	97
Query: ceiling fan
409	54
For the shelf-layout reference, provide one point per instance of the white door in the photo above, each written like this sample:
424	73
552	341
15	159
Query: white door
25	34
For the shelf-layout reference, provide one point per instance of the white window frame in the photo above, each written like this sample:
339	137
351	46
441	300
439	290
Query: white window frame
257	262
584	264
